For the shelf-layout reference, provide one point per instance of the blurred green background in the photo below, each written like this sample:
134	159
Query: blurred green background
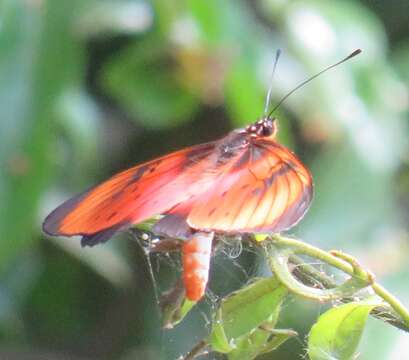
90	87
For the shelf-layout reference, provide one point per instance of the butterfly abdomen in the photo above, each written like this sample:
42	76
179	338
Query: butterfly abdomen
196	261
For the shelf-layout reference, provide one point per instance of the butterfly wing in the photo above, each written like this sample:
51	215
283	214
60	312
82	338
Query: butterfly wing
132	196
266	189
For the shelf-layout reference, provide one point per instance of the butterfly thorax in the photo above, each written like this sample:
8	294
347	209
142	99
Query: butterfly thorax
238	140
264	127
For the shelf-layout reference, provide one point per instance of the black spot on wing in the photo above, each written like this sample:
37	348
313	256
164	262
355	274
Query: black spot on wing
112	215
116	196
211	212
139	173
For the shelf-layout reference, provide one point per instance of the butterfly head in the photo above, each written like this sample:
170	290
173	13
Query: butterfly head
265	127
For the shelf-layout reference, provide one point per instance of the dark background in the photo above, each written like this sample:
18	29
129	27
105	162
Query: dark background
89	87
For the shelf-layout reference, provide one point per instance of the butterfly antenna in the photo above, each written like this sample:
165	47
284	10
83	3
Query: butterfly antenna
350	56
270	89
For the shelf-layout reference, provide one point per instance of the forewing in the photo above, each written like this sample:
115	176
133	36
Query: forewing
267	189
134	195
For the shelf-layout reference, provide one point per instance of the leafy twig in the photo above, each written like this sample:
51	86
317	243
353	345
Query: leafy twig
306	273
288	247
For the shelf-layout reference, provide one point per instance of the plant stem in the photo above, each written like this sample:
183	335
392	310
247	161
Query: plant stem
335	261
392	301
196	350
308	274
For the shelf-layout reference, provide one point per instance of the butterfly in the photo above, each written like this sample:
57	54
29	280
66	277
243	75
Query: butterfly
243	183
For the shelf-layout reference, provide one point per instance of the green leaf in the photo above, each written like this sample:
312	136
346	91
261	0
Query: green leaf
37	60
228	25
105	261
115	17
244	94
146	80
337	332
244	311
261	341
208	14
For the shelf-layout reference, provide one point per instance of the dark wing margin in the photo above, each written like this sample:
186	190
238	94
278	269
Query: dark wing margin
131	196
51	223
102	236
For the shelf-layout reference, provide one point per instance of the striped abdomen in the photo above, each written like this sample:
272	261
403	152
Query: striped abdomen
196	261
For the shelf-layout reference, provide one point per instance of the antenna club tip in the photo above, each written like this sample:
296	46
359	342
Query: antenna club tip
356	52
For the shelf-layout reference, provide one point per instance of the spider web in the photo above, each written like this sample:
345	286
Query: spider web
236	261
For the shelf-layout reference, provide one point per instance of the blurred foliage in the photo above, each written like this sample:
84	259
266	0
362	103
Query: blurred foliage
90	87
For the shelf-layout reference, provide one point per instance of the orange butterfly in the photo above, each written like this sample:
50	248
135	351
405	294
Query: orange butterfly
244	183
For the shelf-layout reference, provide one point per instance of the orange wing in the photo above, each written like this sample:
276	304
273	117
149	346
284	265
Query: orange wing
267	189
133	196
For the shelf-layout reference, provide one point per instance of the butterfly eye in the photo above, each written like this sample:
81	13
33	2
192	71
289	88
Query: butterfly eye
267	131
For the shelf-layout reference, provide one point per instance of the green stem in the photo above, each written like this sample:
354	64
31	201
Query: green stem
308	274
392	301
311	275
278	260
338	260
307	249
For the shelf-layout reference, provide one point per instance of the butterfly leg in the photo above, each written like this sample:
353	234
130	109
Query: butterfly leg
154	244
196	253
